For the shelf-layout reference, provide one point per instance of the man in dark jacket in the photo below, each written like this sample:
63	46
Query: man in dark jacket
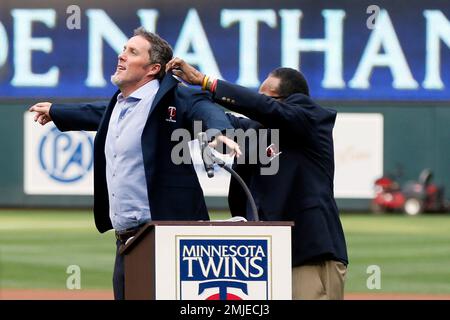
135	177
302	189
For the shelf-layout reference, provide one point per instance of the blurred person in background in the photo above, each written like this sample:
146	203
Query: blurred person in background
302	189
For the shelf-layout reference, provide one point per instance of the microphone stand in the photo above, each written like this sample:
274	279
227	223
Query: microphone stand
222	164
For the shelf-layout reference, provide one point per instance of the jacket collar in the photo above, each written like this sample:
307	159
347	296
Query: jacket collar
167	84
150	88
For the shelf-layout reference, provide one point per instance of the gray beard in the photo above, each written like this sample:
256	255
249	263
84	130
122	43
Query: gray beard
115	80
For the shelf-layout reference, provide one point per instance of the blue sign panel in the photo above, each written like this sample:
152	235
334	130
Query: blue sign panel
348	50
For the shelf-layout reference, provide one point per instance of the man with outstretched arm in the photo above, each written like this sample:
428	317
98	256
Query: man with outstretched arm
302	189
135	178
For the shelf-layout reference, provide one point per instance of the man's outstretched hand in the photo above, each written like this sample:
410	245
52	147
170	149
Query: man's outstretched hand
42	110
233	146
185	71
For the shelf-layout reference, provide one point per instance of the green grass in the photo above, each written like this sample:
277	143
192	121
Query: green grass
413	253
36	247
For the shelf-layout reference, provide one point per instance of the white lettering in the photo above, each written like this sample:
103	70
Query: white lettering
189	260
244	269
211	266
259	252
101	27
438	28
248	40
25	44
148	19
383	36
223	251
193	36
3	45
257	267
227	267
292	44
189	251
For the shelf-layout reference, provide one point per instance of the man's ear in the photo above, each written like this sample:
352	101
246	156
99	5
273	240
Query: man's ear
153	69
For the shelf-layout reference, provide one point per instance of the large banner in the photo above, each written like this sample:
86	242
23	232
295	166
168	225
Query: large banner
358	154
391	50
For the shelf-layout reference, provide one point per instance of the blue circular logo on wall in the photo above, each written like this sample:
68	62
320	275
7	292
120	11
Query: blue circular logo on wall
66	157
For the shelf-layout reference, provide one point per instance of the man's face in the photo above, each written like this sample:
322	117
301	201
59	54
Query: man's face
134	65
270	87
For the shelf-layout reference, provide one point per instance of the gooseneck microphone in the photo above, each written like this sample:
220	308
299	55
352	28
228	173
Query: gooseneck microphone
206	154
209	159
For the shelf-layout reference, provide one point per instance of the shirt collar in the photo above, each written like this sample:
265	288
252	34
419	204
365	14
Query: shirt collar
148	89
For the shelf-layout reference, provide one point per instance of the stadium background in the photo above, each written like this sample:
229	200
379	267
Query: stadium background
407	76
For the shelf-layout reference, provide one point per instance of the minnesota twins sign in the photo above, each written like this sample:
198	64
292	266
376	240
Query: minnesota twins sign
224	268
222	260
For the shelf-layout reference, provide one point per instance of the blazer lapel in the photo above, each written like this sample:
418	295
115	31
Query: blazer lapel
167	84
108	112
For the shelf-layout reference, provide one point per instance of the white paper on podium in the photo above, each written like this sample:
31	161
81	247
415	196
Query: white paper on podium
233	219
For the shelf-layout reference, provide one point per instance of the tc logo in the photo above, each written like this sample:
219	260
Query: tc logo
223	286
171	114
66	157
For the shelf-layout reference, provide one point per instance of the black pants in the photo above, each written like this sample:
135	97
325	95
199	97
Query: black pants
119	275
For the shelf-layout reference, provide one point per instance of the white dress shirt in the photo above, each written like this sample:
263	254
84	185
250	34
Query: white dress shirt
125	174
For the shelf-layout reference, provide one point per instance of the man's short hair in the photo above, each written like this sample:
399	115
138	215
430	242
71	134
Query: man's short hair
291	81
160	50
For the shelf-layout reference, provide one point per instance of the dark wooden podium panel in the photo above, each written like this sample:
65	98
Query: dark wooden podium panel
139	265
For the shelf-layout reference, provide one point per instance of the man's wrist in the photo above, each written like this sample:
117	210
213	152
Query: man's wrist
209	84
204	81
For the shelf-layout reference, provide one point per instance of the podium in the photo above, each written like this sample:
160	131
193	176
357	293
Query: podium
209	260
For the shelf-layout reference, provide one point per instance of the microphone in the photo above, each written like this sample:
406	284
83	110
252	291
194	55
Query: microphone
206	154
209	159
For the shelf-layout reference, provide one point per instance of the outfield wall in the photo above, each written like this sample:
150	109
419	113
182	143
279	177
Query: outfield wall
415	136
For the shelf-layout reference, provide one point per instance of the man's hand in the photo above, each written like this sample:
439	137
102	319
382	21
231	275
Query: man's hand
42	110
233	146
185	71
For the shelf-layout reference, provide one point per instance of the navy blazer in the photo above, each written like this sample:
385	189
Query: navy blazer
174	191
302	189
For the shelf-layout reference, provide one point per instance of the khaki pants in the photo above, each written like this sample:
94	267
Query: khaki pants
319	281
